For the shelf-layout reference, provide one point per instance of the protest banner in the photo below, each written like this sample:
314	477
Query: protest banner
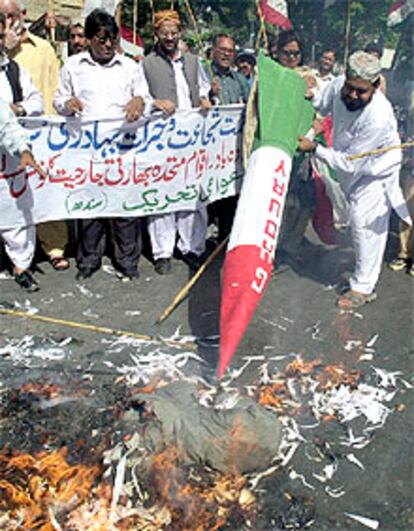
109	168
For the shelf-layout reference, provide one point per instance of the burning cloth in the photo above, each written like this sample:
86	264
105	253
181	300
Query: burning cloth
243	439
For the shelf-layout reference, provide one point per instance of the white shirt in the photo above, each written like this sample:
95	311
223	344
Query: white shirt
13	137
183	90
104	90
32	99
355	132
322	81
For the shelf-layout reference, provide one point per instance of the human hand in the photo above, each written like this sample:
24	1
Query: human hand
17	109
317	126
134	109
13	33
215	87
306	145
74	105
205	104
166	106
27	159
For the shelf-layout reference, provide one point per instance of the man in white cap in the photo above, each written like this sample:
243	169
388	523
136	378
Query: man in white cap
363	120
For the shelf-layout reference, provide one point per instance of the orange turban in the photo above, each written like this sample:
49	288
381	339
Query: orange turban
167	15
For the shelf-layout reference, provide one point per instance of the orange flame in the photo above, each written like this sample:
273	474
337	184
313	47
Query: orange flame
31	486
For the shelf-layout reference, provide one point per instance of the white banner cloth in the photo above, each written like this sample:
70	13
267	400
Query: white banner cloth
108	168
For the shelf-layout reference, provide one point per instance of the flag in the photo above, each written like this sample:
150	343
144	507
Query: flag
276	12
130	48
283	116
399	11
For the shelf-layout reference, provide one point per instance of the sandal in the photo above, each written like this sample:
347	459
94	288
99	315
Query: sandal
60	263
353	299
398	264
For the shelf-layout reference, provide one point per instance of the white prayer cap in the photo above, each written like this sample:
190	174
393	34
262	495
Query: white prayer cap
365	66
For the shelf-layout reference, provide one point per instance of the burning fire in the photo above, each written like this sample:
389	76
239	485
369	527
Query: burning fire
193	504
34	488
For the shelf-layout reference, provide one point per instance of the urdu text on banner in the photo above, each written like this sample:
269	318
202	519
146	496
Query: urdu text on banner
108	168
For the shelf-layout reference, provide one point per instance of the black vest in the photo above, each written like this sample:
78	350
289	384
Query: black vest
161	79
13	77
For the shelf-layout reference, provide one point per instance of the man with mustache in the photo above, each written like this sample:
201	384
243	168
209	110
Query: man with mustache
363	120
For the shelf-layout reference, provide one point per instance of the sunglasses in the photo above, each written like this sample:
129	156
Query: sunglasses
289	53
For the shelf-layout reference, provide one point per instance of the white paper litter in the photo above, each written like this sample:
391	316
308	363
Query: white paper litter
353	459
367	522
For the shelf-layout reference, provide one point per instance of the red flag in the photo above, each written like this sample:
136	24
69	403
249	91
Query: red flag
276	12
399	11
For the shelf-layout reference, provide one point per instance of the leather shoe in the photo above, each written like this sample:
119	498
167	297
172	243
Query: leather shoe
162	266
26	281
83	274
192	260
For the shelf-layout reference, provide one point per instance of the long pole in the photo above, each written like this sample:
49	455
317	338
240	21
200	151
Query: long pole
380	151
198	37
51	16
347	31
262	31
134	21
185	290
94	328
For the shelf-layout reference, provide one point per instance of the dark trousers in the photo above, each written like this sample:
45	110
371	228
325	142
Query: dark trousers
225	211
127	243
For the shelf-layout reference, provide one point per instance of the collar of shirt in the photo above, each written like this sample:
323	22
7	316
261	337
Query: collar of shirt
86	57
28	38
220	73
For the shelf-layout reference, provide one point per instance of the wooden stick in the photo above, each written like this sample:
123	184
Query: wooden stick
262	30
51	14
98	329
134	21
183	292
380	151
198	37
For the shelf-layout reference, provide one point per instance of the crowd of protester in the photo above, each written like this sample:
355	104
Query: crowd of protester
99	80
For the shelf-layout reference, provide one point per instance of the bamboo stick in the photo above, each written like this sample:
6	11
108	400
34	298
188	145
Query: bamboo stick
134	21
198	37
262	30
51	14
380	151
97	329
185	290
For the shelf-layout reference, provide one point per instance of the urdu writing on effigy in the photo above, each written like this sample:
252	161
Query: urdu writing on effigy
108	168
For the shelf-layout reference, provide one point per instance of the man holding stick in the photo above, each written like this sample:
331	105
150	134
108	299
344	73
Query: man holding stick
363	120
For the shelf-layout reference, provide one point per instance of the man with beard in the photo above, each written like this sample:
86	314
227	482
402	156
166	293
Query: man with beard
363	120
176	81
77	39
101	83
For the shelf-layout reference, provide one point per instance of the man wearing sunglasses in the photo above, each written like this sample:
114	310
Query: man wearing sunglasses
363	121
101	83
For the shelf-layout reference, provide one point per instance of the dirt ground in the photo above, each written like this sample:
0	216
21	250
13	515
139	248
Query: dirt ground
296	315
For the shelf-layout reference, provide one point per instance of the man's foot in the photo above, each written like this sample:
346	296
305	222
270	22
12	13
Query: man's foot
162	266
192	260
399	264
84	274
411	270
26	281
354	299
125	278
60	263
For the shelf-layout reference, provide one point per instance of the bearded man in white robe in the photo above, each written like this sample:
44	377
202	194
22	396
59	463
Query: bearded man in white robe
363	121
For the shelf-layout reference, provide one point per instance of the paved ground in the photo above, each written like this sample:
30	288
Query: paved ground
297	315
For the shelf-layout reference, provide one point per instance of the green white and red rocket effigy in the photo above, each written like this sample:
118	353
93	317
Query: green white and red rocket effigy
283	115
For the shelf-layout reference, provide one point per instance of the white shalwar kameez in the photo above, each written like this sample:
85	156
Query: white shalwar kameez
371	184
19	242
191	226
